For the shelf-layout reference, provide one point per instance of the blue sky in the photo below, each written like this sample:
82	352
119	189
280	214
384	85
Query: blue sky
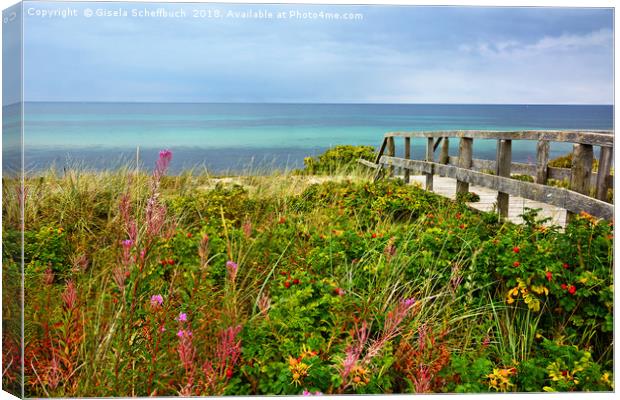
395	54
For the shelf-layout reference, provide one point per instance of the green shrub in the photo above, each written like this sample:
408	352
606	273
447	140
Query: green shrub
338	158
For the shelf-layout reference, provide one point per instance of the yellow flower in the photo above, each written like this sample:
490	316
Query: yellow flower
499	380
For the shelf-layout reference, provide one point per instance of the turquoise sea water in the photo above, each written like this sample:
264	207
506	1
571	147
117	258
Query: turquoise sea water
232	136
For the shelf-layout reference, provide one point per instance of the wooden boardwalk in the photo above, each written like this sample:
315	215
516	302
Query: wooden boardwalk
488	198
492	179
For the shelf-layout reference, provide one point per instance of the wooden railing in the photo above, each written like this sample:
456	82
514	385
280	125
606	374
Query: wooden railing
588	191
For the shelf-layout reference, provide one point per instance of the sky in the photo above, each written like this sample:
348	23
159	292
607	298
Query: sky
392	54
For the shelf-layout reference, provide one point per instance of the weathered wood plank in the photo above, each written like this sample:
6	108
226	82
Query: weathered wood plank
517	168
379	170
381	149
604	168
504	158
429	157
391	151
581	170
407	157
556	196
465	159
596	138
542	161
437	143
367	163
444	156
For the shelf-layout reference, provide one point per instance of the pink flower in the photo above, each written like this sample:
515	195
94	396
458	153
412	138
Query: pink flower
232	269
408	303
157	300
232	266
69	296
165	156
181	333
182	317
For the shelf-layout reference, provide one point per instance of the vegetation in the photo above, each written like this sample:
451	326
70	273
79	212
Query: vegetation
338	158
143	284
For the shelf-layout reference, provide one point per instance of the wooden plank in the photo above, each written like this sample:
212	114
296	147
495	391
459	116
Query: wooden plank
581	170
444	156
604	168
465	157
379	155
542	161
437	143
596	138
367	163
381	149
429	157
391	150
556	196
407	157
518	168
504	158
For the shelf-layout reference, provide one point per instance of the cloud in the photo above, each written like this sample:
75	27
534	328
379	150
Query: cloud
602	38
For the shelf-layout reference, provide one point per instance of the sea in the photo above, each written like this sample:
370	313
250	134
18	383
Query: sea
261	137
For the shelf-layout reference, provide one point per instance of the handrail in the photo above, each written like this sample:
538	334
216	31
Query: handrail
596	138
467	170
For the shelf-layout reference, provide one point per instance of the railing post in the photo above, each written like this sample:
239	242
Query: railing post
378	172
542	161
390	152
407	157
581	171
465	155
429	158
444	156
504	162
604	167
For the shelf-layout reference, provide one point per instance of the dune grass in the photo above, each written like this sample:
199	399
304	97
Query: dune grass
138	283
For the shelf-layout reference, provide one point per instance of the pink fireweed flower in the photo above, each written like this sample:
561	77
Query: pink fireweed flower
157	300
307	393
69	296
203	249
182	317
165	156
422	379
398	314
408	303
48	277
126	258
184	333
119	274
264	302
186	349
247	228
354	350
232	269
155	216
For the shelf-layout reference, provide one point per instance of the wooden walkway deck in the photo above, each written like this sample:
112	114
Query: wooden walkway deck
447	187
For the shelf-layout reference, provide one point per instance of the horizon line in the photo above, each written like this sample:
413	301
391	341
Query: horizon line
301	103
